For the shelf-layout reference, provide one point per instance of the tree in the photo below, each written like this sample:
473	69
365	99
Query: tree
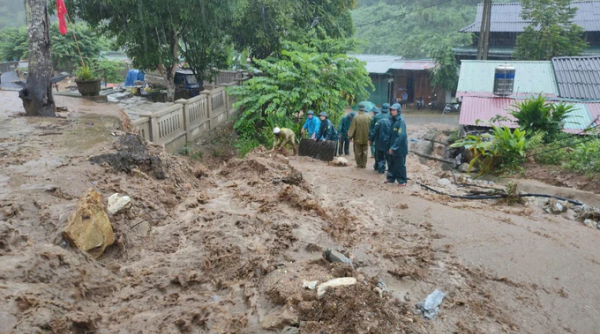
13	43
153	31
313	76
445	75
551	32
263	25
37	94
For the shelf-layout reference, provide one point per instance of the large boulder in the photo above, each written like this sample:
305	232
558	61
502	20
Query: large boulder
88	227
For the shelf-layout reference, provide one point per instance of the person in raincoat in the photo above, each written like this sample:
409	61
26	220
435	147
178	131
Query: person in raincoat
283	137
326	129
380	138
398	149
344	147
375	112
385	109
311	125
359	133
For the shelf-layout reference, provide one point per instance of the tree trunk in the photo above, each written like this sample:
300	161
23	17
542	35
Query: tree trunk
37	95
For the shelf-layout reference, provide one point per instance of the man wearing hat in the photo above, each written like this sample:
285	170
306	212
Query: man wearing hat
326	129
379	159
283	137
398	148
359	133
375	112
344	148
311	125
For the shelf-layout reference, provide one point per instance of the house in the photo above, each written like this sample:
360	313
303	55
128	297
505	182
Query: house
573	80
393	75
506	24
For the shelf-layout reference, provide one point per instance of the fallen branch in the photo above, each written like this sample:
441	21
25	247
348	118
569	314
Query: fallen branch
426	156
437	141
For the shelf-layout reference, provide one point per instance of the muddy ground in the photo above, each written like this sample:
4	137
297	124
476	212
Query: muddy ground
226	248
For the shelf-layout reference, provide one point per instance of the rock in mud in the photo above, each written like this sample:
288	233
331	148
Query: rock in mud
444	182
118	203
339	162
311	285
88	227
333	256
280	318
557	206
290	330
590	223
334	283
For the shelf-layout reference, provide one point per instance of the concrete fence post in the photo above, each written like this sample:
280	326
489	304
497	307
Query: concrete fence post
186	117
209	110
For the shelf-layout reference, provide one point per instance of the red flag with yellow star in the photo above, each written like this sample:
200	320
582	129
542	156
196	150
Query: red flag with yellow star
61	10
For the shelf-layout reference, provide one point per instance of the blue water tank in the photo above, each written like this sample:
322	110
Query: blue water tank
504	80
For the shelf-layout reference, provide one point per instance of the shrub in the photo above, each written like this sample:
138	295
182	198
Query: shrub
85	73
534	115
503	150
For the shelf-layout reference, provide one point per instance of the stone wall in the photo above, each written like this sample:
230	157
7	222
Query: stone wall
187	120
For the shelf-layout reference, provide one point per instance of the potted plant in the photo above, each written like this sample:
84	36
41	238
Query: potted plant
87	82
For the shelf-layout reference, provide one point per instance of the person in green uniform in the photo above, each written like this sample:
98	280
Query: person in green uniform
375	112
344	148
384	114
381	139
359	133
398	149
283	137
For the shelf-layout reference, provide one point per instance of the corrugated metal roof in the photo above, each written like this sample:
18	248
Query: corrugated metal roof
506	17
531	77
380	64
578	77
485	108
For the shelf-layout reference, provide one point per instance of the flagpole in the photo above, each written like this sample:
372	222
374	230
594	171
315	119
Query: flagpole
75	37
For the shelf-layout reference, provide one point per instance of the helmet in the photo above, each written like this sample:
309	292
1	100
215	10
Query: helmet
276	130
310	112
396	106
362	107
323	114
385	107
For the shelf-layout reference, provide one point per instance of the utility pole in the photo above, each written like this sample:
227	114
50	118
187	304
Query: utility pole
484	32
37	95
486	40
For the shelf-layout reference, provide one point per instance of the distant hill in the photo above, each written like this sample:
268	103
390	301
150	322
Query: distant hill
412	28
12	13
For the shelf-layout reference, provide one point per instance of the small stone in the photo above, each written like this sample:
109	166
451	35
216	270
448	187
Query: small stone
407	297
118	203
590	223
311	285
444	182
333	256
290	330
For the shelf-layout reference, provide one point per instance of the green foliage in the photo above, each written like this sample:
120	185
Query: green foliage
501	151
579	154
111	71
263	25
446	74
64	49
551	33
155	33
534	115
65	57
304	77
85	73
13	43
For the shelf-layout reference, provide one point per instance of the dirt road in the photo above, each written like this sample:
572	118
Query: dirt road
226	248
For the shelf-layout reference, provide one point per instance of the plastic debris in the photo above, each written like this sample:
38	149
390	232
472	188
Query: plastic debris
431	306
